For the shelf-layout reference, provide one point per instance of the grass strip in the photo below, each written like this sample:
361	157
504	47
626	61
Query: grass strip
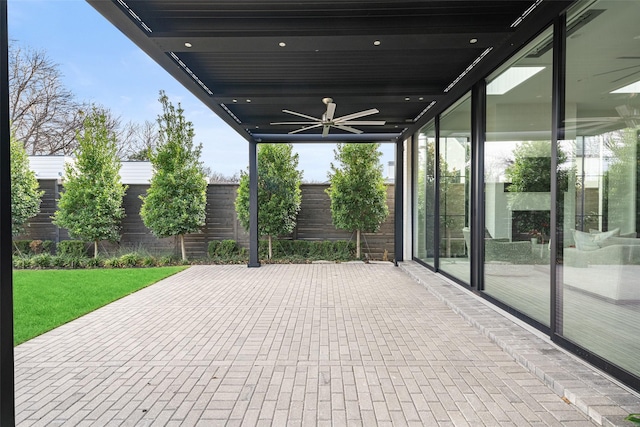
46	299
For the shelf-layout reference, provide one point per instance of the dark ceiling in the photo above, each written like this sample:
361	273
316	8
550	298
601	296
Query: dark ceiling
250	59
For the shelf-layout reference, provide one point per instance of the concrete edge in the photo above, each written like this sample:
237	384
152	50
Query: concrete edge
593	392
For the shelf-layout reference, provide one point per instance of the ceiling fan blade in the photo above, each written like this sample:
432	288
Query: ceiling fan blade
616	70
292	123
305	128
348	129
364	122
331	109
315	119
356	115
592	119
325	130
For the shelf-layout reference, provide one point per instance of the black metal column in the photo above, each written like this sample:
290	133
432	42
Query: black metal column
399	203
7	407
557	202
478	120
253	204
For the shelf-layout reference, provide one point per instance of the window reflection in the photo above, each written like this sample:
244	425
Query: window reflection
518	182
600	252
455	157
424	207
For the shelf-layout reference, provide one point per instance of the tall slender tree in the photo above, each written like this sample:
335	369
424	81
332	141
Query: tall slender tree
357	191
25	193
175	203
91	205
279	194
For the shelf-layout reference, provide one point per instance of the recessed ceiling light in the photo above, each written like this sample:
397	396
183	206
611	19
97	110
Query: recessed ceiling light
282	44
473	41
377	43
248	100
187	44
407	99
235	100
421	99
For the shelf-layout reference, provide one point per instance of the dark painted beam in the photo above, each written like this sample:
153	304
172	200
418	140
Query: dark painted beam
331	138
399	203
7	393
253	205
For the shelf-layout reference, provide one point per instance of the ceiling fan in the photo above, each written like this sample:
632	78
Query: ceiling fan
327	121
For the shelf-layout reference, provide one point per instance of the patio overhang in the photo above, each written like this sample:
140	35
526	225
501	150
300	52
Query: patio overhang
250	60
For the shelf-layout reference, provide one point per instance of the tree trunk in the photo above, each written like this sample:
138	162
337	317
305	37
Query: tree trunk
357	244
270	253
184	252
448	234
95	249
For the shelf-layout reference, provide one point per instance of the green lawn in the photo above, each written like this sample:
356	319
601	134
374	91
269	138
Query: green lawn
46	299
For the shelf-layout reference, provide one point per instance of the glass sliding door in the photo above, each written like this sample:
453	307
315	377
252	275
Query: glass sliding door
424	194
455	164
517	181
600	216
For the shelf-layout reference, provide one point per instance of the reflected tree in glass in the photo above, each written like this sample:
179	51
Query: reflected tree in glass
530	172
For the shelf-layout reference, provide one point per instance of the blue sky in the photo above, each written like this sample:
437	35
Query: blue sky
101	65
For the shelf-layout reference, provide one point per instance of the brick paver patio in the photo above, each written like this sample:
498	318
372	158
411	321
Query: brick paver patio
323	344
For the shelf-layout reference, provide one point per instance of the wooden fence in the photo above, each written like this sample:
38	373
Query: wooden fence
314	222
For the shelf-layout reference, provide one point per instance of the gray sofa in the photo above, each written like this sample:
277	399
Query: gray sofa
607	267
503	250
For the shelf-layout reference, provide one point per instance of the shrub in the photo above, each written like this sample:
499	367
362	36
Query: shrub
316	249
58	261
111	263
148	261
42	261
165	260
227	248
21	262
344	250
94	262
35	246
296	250
48	246
132	259
212	248
223	249
21	247
74	248
72	261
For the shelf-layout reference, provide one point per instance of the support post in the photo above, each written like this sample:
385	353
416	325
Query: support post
253	204
399	203
478	120
7	393
557	197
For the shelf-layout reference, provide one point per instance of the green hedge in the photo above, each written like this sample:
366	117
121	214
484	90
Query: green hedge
33	247
74	248
224	249
294	250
